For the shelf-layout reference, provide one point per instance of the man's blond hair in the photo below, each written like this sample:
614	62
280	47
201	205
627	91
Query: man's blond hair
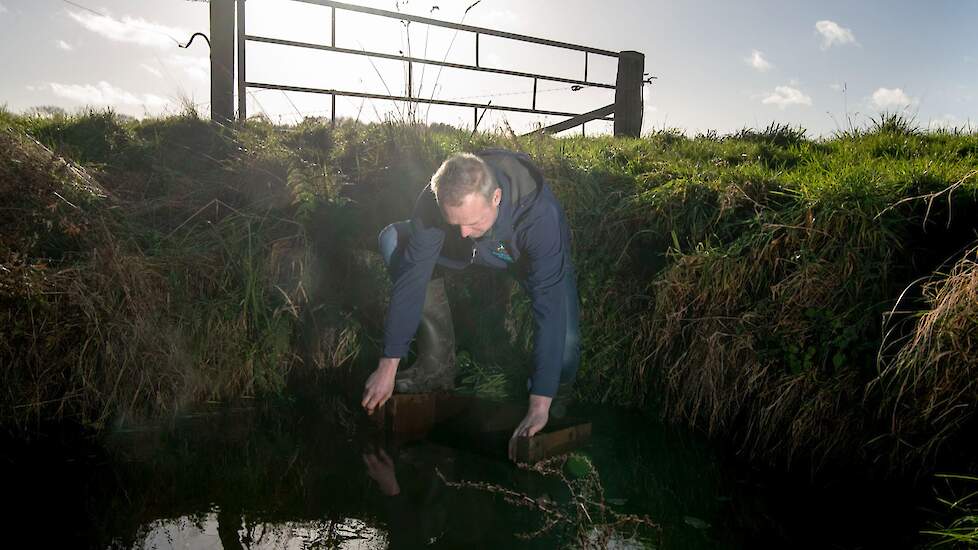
459	176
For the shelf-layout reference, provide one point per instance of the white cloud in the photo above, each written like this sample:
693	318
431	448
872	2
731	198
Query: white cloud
133	30
3	9
836	87
104	93
196	67
65	46
892	98
784	96
151	70
833	34
756	60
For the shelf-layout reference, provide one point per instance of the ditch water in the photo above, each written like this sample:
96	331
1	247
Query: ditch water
270	477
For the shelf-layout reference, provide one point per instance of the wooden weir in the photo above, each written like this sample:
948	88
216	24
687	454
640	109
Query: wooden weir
480	424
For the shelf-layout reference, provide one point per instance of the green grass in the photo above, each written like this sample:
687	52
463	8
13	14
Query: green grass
735	283
961	530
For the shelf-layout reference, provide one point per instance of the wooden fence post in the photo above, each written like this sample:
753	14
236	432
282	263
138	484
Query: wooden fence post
628	94
222	61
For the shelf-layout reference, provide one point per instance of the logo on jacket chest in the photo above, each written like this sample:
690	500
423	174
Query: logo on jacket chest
498	249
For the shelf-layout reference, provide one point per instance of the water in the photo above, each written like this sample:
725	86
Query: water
294	477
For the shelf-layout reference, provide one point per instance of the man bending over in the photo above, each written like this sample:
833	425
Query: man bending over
493	210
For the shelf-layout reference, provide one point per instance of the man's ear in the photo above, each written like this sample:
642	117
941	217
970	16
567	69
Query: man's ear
497	196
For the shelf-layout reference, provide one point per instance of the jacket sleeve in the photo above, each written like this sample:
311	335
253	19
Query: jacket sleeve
410	274
545	245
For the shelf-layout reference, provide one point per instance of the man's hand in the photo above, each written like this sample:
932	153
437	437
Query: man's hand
380	385
534	421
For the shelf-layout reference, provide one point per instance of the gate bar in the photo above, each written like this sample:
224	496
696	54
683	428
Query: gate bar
423	100
456	26
397	57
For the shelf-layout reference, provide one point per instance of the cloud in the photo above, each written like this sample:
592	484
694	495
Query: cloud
65	46
833	34
196	67
151	70
757	61
104	93
784	96
3	9
132	30
892	98
836	87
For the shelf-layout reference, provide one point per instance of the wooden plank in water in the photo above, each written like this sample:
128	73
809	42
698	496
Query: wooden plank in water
530	450
410	413
415	415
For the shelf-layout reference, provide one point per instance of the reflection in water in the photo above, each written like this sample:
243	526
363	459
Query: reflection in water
298	478
212	532
418	515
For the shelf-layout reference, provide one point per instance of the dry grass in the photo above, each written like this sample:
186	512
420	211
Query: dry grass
756	339
118	303
738	282
929	389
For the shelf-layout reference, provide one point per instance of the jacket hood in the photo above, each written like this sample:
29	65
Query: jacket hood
524	178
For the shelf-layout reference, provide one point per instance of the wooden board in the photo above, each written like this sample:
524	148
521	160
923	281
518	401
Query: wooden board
530	450
479	423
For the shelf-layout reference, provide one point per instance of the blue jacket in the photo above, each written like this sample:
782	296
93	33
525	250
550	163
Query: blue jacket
530	237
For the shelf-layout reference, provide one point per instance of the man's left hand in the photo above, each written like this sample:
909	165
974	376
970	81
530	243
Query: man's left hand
534	421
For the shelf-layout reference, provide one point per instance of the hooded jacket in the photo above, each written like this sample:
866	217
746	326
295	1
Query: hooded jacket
530	237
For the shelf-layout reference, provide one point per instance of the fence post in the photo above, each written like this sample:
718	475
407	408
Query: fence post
242	75
222	61
628	94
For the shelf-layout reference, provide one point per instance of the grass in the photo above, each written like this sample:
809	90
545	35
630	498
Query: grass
143	280
961	531
735	283
933	370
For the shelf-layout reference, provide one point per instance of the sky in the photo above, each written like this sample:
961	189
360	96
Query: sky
719	65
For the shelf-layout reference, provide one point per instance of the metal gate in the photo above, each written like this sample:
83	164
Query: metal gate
228	34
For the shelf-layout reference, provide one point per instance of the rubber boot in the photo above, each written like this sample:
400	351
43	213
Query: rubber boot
563	399
435	367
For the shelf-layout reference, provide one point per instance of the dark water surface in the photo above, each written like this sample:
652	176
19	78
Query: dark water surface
294	477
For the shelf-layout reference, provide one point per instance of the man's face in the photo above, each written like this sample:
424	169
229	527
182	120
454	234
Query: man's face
475	216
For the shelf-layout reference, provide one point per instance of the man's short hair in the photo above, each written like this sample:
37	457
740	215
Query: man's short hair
459	176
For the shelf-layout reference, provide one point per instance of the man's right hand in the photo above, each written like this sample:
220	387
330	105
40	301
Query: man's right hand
380	385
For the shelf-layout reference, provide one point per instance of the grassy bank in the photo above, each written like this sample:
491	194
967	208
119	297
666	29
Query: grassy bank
800	298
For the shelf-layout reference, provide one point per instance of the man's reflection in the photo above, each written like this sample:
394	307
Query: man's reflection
380	468
418	505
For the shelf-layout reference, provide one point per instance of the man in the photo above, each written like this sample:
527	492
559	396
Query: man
494	210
